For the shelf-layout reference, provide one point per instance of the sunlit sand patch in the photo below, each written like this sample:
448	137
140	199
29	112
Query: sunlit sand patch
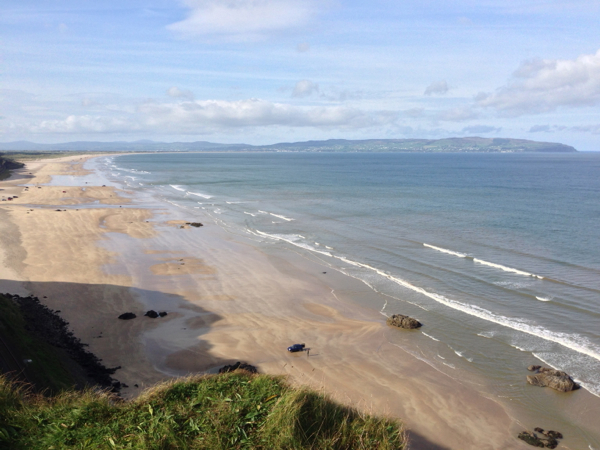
321	310
182	266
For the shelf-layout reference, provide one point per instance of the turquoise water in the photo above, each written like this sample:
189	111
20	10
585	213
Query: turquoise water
497	254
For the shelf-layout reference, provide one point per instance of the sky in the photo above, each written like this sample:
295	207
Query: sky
268	71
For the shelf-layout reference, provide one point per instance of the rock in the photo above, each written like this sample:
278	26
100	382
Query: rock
194	224
240	366
152	314
531	439
555	379
534	368
162	313
127	316
398	320
554	434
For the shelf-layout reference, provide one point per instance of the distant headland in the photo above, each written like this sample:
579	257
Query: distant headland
448	145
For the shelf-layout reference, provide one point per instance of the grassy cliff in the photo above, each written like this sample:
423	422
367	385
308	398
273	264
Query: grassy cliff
229	411
6	165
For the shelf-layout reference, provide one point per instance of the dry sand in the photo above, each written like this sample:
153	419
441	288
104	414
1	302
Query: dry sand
227	301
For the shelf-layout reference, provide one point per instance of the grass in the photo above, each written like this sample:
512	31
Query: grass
47	368
229	411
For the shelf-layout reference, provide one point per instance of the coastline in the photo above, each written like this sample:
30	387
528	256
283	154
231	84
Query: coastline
228	301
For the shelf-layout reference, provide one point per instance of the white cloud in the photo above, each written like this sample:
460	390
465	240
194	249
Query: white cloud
458	114
85	124
539	86
254	113
540	129
593	129
202	117
481	129
243	19
180	93
437	87
304	88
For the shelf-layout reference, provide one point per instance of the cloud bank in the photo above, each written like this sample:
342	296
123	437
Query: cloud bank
243	19
543	85
207	116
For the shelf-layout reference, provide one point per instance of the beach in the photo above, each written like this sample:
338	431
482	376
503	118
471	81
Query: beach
94	252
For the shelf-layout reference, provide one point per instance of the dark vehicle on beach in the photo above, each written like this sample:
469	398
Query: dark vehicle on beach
296	348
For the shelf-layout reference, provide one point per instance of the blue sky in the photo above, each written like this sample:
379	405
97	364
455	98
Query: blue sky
266	71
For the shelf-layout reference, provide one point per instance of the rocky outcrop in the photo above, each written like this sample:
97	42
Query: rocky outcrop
400	321
555	379
46	325
534	368
549	441
127	316
238	366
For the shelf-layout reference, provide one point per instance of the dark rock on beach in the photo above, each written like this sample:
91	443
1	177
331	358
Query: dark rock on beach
194	224
400	321
549	441
127	316
531	439
238	365
153	314
555	379
534	368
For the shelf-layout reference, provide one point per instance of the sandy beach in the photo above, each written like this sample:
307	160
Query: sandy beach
95	252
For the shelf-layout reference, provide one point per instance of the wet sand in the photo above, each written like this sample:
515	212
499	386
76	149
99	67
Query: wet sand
227	301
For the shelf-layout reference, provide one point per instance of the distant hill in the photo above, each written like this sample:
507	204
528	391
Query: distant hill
449	145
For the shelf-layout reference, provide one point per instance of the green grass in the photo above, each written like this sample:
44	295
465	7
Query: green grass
230	411
47	369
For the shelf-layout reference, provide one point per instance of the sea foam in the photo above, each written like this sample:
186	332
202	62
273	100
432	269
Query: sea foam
445	250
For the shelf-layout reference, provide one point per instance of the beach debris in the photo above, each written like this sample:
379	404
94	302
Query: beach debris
400	321
194	224
555	379
549	441
127	316
238	366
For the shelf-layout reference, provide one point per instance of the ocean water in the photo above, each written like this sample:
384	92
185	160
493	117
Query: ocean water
497	254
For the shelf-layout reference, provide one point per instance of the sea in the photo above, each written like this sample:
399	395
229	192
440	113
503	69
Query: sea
498	255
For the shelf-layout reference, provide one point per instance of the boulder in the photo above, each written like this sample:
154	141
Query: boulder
531	439
534	368
152	314
127	316
555	379
400	321
194	224
238	365
162	313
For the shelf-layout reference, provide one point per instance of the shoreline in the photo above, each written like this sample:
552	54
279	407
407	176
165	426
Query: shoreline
232	302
